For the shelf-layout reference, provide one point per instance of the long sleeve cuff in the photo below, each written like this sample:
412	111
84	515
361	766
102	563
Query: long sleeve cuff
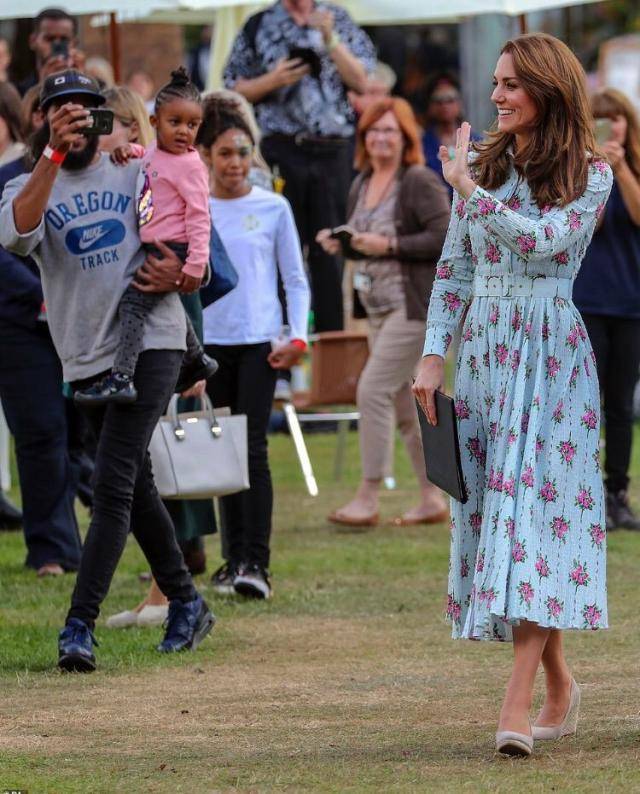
195	270
437	341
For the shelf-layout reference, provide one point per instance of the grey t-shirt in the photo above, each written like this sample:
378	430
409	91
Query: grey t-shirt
88	249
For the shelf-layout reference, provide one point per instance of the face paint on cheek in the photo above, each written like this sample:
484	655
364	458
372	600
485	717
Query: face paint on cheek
241	142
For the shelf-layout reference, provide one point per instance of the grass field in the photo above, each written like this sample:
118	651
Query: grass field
346	681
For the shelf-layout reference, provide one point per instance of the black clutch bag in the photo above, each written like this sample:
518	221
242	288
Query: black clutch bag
442	450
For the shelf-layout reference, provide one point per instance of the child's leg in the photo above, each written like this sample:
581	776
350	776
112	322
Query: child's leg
135	307
194	348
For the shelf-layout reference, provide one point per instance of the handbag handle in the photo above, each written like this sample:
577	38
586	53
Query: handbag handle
205	404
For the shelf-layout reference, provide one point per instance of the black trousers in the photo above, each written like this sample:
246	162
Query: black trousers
616	344
125	495
317	180
36	412
245	383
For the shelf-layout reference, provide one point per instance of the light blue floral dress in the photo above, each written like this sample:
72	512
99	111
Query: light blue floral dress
530	542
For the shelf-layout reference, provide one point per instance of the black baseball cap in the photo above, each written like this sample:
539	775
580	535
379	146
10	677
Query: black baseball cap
68	83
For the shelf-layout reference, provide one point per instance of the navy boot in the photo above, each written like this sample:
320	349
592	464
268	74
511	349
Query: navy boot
187	625
75	647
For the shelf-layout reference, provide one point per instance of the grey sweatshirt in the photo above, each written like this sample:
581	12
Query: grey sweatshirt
88	249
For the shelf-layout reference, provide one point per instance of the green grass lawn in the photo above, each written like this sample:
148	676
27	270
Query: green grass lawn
346	681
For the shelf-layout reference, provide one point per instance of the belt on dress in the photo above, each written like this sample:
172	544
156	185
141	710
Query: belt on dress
510	286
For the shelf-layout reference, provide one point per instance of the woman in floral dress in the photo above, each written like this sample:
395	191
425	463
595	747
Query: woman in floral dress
528	548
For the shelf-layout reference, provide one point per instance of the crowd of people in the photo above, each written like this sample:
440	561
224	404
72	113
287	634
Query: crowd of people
107	240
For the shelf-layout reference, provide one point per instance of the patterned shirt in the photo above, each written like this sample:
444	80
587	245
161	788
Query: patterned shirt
311	106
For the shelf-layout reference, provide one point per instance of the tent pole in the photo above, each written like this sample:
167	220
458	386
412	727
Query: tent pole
114	47
522	19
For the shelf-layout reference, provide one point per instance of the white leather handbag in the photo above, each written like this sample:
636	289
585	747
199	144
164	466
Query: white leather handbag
198	455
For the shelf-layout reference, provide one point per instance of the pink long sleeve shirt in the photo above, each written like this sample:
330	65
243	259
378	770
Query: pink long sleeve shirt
173	204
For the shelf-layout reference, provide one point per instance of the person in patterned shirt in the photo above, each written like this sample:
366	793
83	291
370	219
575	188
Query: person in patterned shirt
305	117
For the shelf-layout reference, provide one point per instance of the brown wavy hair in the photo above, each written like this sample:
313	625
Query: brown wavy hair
555	159
610	103
401	109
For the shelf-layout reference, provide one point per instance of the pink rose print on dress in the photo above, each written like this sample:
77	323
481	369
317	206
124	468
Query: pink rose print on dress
574	220
513	436
573	338
472	363
501	353
600	166
592	616
589	418
464	566
502	399
597	535
480	562
495	481
510	528
509	487
486	206
454	609
559	528
524	421
486	359
562	258
527	330
460	207
515	360
526	592
476	450
539	445
526	478
494	430
475	522
462	409
494	314
467	334
526	244
567	451
549	233
573	378
584	500
514	203
444	270
545	330
452	302
516	320
542	567
548	493
487	596
558	412
579	576
554	607
518	552
553	367
493	254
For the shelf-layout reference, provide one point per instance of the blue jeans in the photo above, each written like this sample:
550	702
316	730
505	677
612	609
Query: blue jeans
35	408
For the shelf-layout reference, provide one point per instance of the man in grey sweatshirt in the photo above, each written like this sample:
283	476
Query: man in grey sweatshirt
76	215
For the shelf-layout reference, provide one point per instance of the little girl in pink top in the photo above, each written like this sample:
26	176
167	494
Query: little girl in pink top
173	206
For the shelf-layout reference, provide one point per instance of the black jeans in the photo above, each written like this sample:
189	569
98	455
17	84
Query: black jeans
125	495
36	412
317	180
245	382
616	344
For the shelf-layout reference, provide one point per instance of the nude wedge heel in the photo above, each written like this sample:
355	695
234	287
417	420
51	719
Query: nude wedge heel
569	724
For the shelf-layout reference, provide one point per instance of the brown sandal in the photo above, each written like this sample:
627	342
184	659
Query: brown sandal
436	518
368	521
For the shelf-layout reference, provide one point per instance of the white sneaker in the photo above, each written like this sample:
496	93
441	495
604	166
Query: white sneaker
153	615
283	390
123	620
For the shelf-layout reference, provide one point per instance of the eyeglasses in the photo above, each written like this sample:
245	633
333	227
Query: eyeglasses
386	131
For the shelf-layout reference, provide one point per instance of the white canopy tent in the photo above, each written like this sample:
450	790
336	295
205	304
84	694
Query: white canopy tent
229	15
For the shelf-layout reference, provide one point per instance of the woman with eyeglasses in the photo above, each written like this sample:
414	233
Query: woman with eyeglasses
399	211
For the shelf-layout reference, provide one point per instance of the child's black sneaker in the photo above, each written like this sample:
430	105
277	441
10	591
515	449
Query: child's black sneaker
222	579
252	581
113	388
200	368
